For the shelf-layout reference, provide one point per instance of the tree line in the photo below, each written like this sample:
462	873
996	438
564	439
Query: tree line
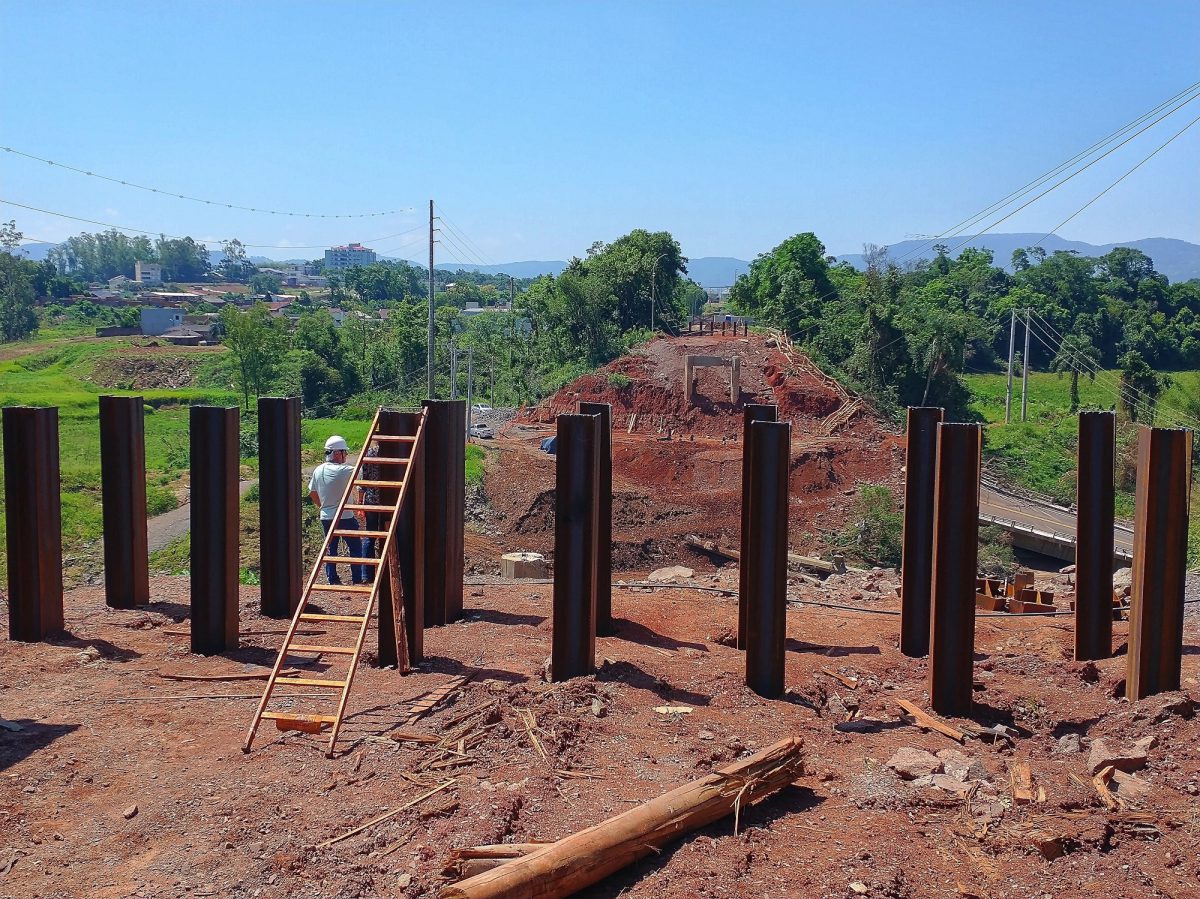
904	334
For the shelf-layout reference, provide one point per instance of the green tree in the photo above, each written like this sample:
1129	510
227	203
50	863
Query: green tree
1074	353
257	342
235	266
183	259
18	318
1141	387
264	284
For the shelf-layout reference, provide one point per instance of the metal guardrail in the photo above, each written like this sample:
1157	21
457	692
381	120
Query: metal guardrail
1053	536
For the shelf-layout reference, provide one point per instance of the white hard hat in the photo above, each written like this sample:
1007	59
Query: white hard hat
335	443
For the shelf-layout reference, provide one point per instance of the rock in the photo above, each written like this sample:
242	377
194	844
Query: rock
859	887
130	812
925	780
836	707
706	735
1122	577
1101	756
598	708
1174	706
1129	787
1067	569
951	784
671	573
1067	744
912	763
1145	744
1086	671
960	766
404	880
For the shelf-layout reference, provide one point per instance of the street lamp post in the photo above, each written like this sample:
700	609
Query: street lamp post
654	288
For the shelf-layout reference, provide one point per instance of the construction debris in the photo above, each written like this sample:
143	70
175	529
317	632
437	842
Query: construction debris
582	859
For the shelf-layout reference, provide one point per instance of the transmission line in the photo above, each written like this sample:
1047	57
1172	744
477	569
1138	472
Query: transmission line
179	196
1146	159
1037	182
1078	171
257	246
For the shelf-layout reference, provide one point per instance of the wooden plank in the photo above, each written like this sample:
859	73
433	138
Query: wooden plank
930	722
351	560
309	682
338	650
341	533
1021	781
313	616
340	588
387	438
393	484
368	507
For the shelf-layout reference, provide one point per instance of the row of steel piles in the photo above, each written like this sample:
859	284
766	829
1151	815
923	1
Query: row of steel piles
582	539
940	552
34	532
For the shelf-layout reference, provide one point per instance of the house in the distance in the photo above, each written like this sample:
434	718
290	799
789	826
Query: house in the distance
147	272
120	282
158	321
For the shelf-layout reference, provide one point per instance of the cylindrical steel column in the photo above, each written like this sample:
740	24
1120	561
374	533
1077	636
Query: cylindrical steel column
279	502
1160	533
751	413
916	567
764	557
33	520
123	482
445	478
1094	519
214	503
576	483
955	559
604	621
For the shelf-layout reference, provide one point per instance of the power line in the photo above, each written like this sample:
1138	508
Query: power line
1041	179
470	243
1160	147
179	196
257	246
1095	372
1078	171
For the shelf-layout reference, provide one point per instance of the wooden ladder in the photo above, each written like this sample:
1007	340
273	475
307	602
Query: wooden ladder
340	688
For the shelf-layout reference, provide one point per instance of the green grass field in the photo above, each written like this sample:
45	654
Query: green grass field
1039	453
57	372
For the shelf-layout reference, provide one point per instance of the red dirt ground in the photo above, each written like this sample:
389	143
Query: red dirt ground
103	731
678	472
125	781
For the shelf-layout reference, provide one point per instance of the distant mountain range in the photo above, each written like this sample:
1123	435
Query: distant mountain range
1179	260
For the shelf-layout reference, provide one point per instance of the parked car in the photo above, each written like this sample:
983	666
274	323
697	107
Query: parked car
484	432
481	409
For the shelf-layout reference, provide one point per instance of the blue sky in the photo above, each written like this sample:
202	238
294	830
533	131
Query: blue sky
539	128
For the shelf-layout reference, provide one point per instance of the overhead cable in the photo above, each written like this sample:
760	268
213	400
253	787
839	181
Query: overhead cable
222	203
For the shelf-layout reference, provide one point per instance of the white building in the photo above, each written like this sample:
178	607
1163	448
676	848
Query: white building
349	256
147	272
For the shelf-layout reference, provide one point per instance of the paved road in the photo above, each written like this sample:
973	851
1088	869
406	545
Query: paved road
1044	517
162	529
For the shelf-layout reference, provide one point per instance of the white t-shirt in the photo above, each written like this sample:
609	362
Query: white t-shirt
329	481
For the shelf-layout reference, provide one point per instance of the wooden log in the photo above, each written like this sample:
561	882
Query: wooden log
585	858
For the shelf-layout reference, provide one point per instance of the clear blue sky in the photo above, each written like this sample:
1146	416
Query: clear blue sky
539	128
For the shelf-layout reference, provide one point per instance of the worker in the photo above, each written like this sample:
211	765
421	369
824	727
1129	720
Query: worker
325	488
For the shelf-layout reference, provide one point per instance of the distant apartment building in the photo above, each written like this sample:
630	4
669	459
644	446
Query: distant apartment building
349	256
147	272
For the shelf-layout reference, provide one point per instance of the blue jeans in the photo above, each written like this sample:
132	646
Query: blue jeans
353	548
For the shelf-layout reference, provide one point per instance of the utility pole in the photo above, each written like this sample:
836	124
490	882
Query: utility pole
1012	342
1025	371
430	371
453	370
470	387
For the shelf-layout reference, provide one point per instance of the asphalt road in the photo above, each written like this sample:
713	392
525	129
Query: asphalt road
1041	515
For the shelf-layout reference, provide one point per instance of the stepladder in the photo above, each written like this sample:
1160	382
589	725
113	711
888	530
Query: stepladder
329	627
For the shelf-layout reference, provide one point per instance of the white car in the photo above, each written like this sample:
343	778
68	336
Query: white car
481	409
484	432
